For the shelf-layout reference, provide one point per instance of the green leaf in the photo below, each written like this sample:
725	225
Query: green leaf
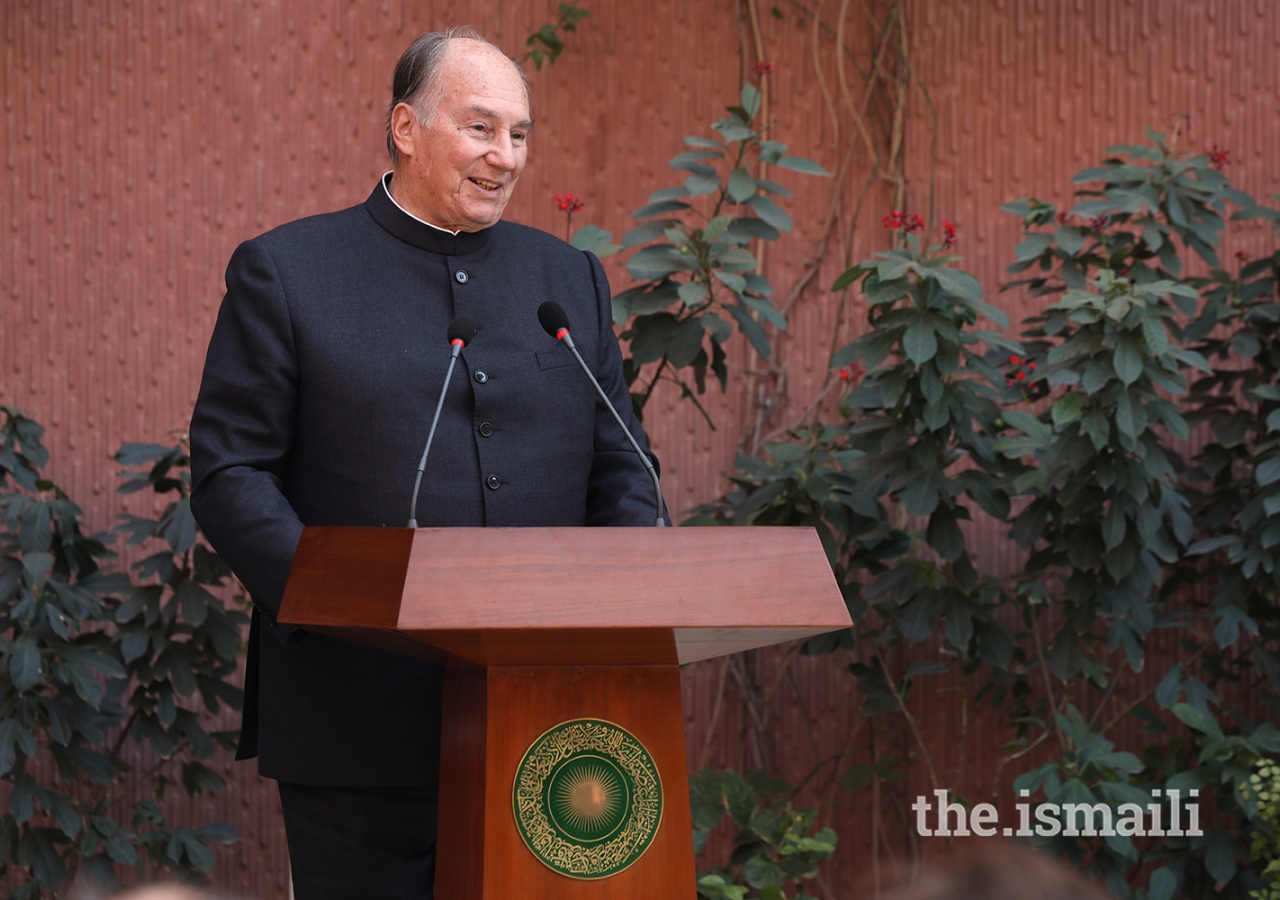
692	292
1127	359
684	344
920	343
594	239
1156	336
1069	239
801	164
740	799
657	261
24	663
848	277
661	207
1032	247
744	228
702	183
1220	858
752	329
1068	409
741	186
1268	472
1193	718
732	280
720	330
966	287
766	209
1163	885
921	495
766	311
750	100
646	232
716	227
759	873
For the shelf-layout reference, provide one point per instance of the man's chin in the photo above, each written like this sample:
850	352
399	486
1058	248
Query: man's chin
479	220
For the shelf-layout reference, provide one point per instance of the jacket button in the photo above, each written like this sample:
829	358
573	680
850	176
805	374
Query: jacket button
485	429
481	376
461	276
493	481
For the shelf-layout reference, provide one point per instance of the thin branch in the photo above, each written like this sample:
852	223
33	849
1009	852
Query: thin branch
716	709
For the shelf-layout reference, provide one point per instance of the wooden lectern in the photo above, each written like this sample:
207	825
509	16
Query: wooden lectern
540	626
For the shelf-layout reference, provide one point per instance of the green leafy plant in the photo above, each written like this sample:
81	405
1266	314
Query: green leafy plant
88	685
1263	790
776	846
1104	512
546	44
1070	436
694	270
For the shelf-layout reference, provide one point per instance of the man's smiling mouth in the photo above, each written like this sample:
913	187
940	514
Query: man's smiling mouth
487	185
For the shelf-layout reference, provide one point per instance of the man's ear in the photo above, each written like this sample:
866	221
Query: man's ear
404	128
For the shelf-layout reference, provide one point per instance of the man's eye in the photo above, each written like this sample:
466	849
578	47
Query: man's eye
518	136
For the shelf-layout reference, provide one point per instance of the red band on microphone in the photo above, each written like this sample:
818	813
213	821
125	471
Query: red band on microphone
457	342
561	333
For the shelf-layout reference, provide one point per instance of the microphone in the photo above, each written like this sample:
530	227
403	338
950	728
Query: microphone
462	328
555	322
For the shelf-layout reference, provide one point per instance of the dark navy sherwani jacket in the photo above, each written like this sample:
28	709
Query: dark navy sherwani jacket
321	378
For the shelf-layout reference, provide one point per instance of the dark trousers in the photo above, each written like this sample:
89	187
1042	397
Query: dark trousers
360	843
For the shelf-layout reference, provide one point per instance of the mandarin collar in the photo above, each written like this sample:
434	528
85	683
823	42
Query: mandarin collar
399	224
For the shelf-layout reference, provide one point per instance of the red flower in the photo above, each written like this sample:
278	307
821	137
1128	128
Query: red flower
948	234
569	203
1018	368
852	373
764	68
1097	223
1219	157
1062	218
893	221
913	222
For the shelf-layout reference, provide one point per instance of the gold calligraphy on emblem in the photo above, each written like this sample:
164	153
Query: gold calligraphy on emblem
587	798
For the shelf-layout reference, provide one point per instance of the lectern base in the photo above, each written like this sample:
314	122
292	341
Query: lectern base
492	716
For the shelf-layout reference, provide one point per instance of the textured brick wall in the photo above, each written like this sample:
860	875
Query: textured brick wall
145	138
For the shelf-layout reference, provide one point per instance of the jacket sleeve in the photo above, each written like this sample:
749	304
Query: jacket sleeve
620	491
243	428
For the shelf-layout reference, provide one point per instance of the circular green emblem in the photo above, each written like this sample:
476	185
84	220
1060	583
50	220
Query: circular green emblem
587	798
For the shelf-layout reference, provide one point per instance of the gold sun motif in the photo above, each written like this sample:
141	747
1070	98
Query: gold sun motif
588	797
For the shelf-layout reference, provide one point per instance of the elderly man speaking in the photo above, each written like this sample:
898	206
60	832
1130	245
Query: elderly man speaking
319	388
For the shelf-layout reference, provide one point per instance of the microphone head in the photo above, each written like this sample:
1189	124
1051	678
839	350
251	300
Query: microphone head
553	318
462	328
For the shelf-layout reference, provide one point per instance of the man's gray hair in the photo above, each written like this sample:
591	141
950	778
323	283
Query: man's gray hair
415	81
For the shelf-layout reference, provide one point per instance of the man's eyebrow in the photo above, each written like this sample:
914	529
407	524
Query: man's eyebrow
490	114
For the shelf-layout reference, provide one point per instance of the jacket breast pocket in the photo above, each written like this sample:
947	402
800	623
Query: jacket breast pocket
555	359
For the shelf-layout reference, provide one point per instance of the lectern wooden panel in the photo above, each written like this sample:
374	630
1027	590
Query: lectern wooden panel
541	629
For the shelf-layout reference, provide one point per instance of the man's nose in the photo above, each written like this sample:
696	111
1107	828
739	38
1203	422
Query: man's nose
502	153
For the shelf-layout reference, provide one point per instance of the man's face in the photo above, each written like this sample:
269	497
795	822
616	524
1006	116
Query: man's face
458	171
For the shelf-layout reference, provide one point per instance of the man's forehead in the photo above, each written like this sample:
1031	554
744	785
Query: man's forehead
471	64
